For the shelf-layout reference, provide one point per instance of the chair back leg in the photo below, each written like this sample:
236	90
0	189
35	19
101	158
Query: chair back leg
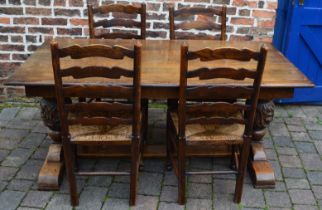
168	144
69	164
181	172
242	170
134	171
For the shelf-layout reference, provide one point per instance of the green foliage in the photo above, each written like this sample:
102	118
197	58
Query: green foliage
19	102
158	106
290	114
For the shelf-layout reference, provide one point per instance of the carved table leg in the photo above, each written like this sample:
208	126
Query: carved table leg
259	167
50	174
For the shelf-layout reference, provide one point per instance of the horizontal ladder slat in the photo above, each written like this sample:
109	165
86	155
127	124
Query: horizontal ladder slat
99	106
118	22
78	72
98	91
189	11
99	121
229	73
216	107
209	172
215	120
117	8
194	37
218	92
115	35
198	25
208	54
102	173
96	50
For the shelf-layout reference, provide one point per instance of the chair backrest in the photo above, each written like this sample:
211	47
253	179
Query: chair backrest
194	12
105	10
97	113
221	111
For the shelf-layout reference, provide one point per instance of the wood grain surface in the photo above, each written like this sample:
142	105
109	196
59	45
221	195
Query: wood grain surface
160	64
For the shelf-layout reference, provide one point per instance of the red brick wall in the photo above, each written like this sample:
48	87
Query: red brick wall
25	24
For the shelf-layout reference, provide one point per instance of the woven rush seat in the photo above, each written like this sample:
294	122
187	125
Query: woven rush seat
96	134
211	133
120	134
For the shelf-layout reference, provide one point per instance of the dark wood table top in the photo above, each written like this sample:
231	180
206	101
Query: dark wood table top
160	64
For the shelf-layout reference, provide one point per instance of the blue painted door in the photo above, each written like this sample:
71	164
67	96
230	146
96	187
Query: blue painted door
280	31
299	37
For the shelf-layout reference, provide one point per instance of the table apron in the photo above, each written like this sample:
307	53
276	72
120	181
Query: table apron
161	92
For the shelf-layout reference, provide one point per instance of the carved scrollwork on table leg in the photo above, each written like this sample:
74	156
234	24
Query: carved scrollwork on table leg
50	174
50	117
260	168
264	116
49	113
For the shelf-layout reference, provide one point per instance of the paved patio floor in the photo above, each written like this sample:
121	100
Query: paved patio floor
293	145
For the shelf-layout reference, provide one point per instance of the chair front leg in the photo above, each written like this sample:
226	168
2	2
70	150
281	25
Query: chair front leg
75	159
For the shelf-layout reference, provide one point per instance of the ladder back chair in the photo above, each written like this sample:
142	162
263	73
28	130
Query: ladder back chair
128	11
105	122
121	21
197	18
199	121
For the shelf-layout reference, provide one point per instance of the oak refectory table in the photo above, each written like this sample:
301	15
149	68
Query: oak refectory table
160	80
